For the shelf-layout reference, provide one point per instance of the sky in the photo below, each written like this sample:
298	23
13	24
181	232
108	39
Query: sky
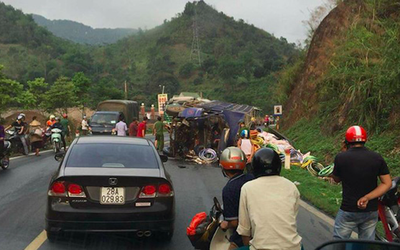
279	17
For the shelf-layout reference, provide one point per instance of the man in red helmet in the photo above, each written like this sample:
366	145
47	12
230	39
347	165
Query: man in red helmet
233	162
358	168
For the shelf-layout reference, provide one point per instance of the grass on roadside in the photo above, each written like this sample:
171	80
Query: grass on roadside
307	136
318	192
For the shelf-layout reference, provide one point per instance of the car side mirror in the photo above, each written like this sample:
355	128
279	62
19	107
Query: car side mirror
358	245
59	156
164	158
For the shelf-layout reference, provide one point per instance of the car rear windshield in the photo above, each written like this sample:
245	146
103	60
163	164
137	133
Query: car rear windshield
112	156
104	118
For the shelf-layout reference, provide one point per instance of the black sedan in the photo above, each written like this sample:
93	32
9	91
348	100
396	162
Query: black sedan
111	184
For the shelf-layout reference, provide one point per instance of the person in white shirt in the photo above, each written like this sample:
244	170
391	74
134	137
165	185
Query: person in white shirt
269	206
121	128
85	126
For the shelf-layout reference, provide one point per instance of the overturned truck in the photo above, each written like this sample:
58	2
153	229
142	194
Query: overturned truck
207	125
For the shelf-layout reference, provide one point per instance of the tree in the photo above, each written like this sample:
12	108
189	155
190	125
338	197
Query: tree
186	70
11	91
60	96
105	89
27	99
37	88
229	68
82	85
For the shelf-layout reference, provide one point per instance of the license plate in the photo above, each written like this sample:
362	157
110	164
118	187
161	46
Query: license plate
112	195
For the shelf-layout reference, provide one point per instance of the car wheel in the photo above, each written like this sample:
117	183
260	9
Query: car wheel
53	236
166	236
5	163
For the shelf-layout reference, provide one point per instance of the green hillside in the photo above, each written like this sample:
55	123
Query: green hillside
28	51
351	72
238	61
80	33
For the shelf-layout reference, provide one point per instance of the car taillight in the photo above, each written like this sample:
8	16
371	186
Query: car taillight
75	190
58	189
165	190
148	191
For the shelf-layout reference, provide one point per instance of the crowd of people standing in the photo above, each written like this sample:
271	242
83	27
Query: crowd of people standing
34	135
136	129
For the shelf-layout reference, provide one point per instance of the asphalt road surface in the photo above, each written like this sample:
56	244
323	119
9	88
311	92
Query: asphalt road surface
23	189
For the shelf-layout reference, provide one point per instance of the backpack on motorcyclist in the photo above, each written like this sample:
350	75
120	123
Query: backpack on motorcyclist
201	230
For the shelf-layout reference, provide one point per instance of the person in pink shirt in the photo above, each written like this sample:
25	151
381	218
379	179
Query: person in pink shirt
142	128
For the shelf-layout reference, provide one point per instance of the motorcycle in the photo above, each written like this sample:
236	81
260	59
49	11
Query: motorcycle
16	144
389	213
205	233
5	161
56	139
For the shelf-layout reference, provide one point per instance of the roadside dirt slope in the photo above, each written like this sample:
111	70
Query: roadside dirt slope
303	101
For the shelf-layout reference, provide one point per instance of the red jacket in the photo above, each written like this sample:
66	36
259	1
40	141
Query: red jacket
141	128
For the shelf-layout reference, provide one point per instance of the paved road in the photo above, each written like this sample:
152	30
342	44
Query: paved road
23	190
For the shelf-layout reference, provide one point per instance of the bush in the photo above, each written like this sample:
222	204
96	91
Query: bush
186	70
199	80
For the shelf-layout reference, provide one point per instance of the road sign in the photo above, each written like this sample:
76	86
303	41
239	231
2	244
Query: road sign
278	110
162	101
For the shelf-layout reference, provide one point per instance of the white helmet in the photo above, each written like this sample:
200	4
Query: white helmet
52	117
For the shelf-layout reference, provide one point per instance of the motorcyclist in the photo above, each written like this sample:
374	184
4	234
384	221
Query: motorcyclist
269	206
19	127
233	162
51	121
57	124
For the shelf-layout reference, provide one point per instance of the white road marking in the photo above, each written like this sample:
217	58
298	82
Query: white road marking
22	156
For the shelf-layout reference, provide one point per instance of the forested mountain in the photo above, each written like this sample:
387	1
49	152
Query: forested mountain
80	33
238	61
28	51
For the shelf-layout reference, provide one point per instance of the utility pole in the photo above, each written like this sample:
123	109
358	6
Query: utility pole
126	91
195	53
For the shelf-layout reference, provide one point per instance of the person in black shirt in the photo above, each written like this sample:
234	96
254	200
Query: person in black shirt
233	162
20	127
358	169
